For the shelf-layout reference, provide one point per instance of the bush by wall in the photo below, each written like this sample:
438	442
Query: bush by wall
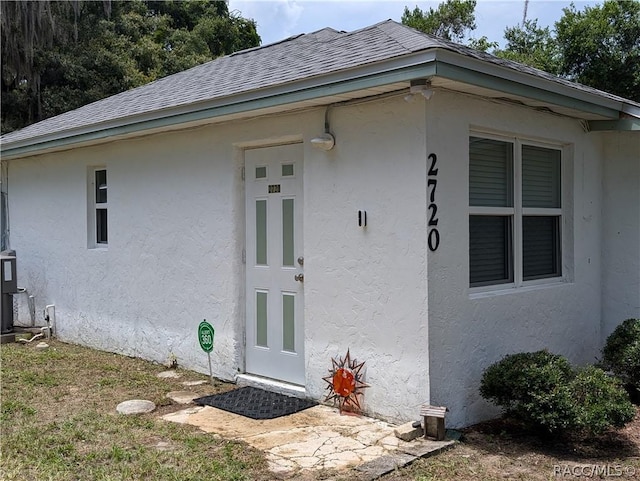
621	354
545	392
600	401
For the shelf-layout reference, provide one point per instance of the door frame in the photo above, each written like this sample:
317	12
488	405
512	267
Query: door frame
241	161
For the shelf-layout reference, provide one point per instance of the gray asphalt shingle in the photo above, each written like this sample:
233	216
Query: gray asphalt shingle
296	58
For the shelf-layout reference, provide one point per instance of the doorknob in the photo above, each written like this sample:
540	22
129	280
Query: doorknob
299	277
301	260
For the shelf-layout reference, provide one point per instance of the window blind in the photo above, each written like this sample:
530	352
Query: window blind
490	173
540	247
490	249
540	177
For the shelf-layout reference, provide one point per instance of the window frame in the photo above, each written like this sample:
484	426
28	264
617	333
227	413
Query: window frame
94	205
518	212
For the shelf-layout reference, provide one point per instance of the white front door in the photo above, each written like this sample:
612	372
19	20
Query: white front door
274	263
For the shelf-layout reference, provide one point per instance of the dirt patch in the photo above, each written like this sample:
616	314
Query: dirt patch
502	449
510	437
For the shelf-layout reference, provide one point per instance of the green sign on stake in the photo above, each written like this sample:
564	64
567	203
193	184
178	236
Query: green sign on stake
205	337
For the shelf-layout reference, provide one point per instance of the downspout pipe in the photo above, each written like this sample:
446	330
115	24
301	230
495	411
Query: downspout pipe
4	206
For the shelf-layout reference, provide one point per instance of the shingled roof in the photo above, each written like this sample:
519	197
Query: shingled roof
297	58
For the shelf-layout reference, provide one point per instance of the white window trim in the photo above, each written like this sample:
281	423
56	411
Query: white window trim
517	212
92	207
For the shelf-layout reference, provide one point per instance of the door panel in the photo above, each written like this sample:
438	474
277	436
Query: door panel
274	296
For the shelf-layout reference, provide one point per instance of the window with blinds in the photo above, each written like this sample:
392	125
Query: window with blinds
101	206
541	212
514	234
540	177
97	205
490	252
490	173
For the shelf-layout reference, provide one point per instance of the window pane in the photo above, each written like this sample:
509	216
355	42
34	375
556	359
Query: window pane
261	319
287	232
490	173
490	250
540	177
101	226
540	247
288	323
101	186
287	170
261	232
261	172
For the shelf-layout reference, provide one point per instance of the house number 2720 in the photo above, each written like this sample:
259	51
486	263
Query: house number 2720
433	238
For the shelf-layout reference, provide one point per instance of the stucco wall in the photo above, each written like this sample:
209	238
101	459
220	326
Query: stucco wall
176	233
469	331
171	213
365	288
621	229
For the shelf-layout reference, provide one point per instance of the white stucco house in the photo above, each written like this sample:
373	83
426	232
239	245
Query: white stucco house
470	207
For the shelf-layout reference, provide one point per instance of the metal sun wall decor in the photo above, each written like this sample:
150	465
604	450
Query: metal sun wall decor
345	383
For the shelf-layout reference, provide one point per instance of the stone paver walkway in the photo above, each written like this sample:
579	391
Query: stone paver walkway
315	438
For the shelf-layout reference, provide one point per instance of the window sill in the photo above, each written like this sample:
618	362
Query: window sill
506	289
99	247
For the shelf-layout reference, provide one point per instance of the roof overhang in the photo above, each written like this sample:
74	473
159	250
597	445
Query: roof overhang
621	125
447	69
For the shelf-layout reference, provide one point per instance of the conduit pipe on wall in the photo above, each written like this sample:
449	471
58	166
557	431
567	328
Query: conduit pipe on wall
4	205
50	317
30	303
326	140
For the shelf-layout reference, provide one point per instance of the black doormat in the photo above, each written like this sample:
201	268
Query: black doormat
256	403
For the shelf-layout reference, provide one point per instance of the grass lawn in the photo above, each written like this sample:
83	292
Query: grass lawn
58	422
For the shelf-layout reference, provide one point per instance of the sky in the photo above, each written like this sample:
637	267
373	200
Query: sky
279	19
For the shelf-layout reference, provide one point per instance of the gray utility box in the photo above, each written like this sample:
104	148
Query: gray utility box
8	286
8	274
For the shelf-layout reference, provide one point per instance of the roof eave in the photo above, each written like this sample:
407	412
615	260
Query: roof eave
631	110
371	75
466	69
620	125
428	63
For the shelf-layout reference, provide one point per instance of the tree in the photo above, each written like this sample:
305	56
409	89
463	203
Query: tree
598	47
26	28
483	44
532	45
601	46
450	20
60	55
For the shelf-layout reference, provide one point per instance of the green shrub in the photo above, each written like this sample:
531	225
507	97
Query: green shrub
600	401
621	353
544	391
532	387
